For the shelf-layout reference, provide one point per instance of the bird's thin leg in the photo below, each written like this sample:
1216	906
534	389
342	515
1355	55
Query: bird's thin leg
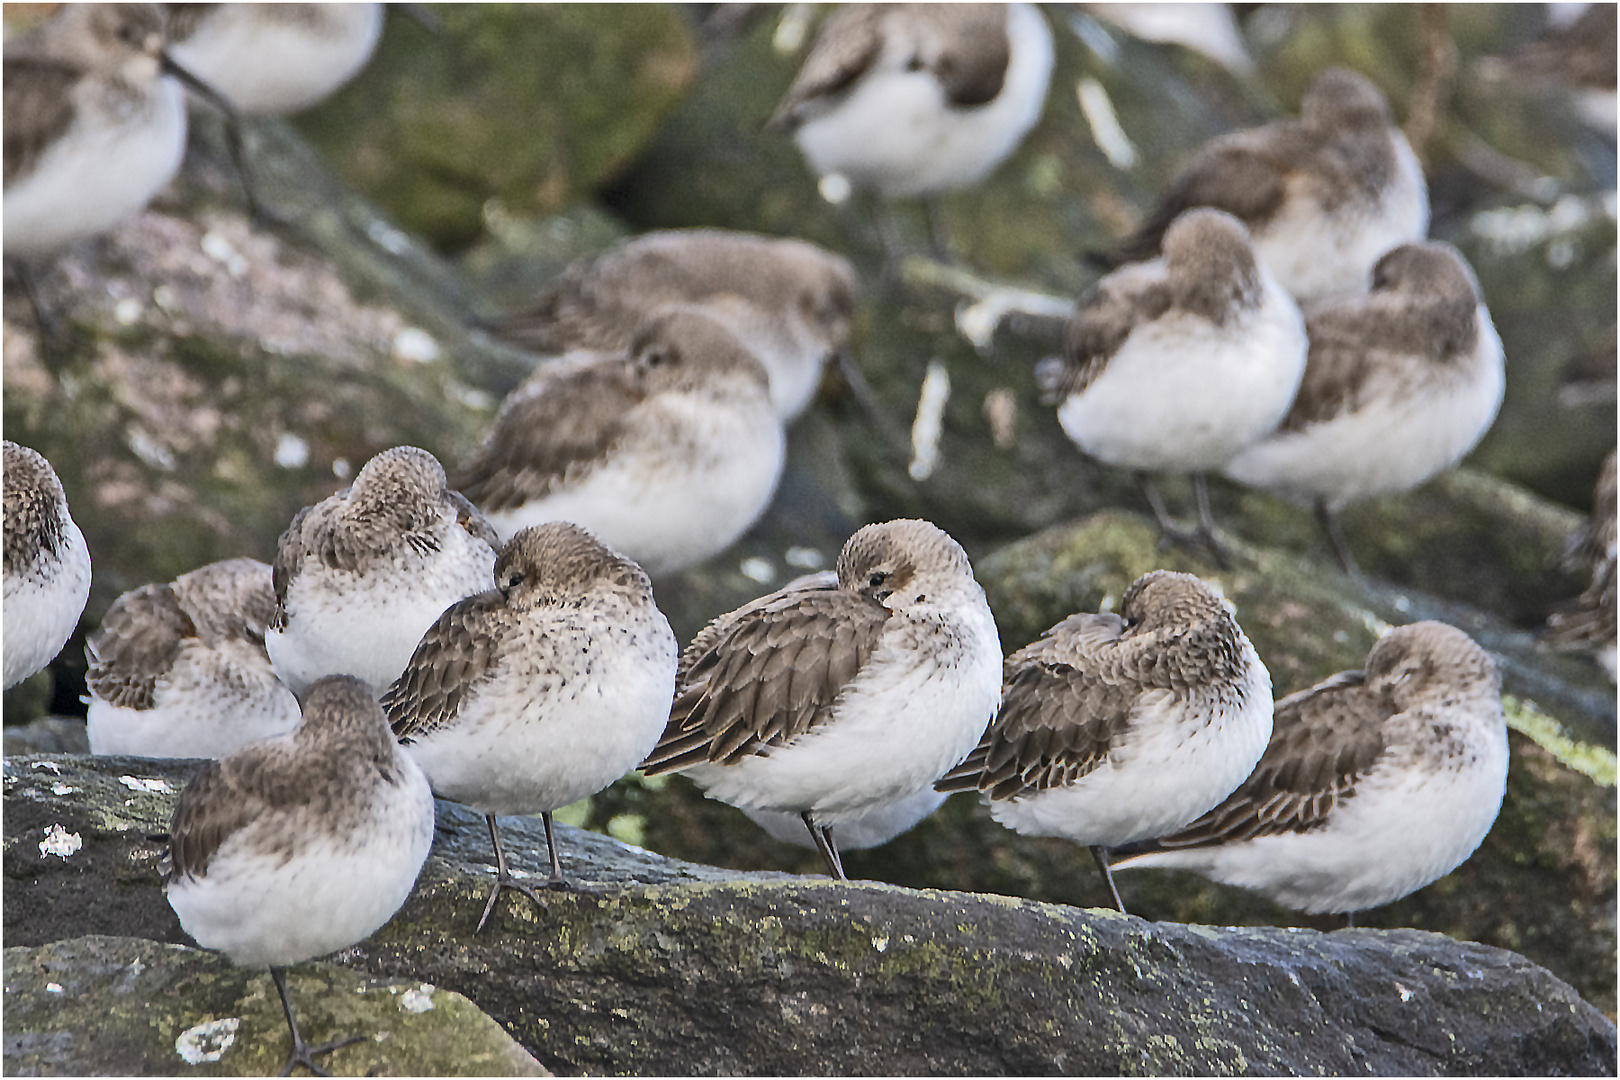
503	877
1349	920
1335	535
1168	529
51	334
824	844
556	880
1100	853
938	239
302	1053
1206	524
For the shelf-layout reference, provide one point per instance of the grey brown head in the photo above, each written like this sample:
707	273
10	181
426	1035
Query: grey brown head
1338	98
1165	598
559	561
403	486
35	506
230	599
1210	265
343	706
681	347
901	563
116	39
1410	661
1433	278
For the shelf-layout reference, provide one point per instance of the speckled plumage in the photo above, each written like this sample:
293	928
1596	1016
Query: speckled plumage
302	844
362	574
1114	728
47	564
789	301
542	691
1323	196
1375	782
180	670
832	701
666	451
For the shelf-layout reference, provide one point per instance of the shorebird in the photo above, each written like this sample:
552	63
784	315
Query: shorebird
798	300
1588	622
1177	364
1399	384
47	565
303	844
872	829
829	702
917	99
1323	196
666	451
1115	728
360	575
180	671
272	59
542	691
1375	783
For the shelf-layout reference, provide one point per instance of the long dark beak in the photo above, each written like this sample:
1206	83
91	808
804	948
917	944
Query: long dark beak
213	97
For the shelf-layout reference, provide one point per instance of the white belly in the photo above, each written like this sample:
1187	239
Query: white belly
334	891
43	606
895	133
1163	777
269	67
210	704
875	827
96	177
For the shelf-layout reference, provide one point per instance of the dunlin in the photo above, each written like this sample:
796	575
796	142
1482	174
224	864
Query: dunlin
1588	622
180	671
1399	384
542	691
1323	196
799	300
1115	728
362	574
1375	783
302	844
270	59
47	565
831	702
918	99
1177	364
667	451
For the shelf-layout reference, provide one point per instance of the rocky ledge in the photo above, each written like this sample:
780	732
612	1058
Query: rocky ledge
659	966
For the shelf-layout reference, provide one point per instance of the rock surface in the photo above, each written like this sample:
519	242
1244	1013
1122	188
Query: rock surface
664	967
114	1006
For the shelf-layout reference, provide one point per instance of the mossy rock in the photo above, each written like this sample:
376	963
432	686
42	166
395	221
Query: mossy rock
522	105
116	1006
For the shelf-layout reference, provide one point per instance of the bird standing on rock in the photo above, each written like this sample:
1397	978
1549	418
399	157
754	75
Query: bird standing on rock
1114	726
831	702
542	691
1177	364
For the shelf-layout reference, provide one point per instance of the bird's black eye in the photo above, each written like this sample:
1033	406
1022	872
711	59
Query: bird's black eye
878	578
514	579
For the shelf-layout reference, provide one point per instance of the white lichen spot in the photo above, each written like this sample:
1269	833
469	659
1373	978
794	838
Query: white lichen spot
51	765
127	312
166	299
63	789
341	468
388	238
414	345
881	944
469	396
758	569
793	28
805	558
1099	113
59	842
216	247
1403	605
417	999
930	421
1001	413
150	450
1406	995
155	785
292	451
208	1041
835	188
53	988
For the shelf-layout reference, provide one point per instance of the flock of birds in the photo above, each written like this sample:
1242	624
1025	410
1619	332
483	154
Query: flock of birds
491	635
